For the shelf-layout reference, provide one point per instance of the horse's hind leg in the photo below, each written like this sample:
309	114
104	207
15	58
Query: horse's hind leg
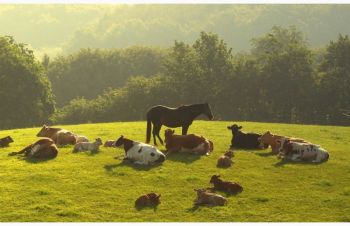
185	129
156	130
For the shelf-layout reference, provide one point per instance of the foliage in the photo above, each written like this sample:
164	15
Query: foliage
25	93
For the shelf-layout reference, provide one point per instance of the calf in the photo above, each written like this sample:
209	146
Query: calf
225	186
207	198
80	138
244	140
225	159
187	143
140	153
109	143
295	151
88	146
275	141
150	199
44	148
4	142
58	135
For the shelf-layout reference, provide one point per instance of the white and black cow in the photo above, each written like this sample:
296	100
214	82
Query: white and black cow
244	140
140	153
296	151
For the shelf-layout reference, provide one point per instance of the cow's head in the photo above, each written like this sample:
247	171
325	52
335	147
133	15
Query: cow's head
168	133
119	141
98	141
234	128
43	132
214	178
153	155
154	198
266	139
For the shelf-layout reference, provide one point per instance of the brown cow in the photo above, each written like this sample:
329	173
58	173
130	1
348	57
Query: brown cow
150	199
4	142
44	148
275	141
225	186
187	143
207	198
58	135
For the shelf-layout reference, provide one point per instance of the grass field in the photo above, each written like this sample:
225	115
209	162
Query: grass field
85	187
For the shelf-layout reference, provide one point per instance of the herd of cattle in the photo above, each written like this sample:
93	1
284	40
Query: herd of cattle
287	148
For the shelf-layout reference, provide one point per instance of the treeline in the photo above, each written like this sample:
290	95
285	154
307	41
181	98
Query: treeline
280	80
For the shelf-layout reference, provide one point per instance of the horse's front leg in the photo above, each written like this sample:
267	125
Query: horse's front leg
185	129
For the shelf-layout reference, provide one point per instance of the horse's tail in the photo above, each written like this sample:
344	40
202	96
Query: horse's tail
149	127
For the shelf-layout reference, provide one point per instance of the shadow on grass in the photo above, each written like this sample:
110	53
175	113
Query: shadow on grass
265	154
35	160
138	208
284	162
182	157
110	167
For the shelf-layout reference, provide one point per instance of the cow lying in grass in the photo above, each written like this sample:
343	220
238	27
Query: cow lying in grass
295	151
207	198
88	146
225	160
140	153
44	148
225	186
244	140
187	143
109	143
80	138
4	142
150	200
275	141
58	135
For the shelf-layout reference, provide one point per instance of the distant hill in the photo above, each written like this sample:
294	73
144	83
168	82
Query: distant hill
56	28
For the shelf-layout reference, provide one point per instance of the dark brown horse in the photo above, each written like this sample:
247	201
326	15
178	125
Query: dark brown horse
173	117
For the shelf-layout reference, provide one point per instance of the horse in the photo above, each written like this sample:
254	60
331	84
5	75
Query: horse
173	117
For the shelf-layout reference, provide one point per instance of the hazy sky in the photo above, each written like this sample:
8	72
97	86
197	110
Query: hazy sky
61	28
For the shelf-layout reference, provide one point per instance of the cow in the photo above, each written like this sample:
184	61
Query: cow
225	159
88	146
4	142
44	148
275	141
295	151
58	135
81	138
150	200
244	140
207	198
140	153
109	143
225	186
190	143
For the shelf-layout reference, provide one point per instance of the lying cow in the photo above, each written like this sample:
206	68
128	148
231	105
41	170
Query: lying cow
88	146
81	138
275	141
44	148
225	160
140	153
244	140
109	143
190	143
150	200
295	151
225	186
4	142
58	135
207	198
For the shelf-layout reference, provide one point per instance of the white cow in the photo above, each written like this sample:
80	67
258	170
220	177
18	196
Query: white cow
140	153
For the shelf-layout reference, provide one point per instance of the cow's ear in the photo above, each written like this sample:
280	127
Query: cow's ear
240	127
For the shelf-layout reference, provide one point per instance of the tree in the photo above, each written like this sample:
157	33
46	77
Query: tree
25	92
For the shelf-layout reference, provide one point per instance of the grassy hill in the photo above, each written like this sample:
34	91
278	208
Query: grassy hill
85	187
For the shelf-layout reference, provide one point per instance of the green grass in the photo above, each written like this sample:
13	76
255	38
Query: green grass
85	187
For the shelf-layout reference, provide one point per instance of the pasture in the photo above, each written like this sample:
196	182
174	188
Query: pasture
86	187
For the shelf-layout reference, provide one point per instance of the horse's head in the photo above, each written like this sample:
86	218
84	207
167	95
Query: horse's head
207	111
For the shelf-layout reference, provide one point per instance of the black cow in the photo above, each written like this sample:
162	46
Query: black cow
244	140
4	142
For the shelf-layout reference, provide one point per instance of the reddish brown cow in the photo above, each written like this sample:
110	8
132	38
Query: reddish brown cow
4	142
150	199
187	143
44	148
58	135
225	186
